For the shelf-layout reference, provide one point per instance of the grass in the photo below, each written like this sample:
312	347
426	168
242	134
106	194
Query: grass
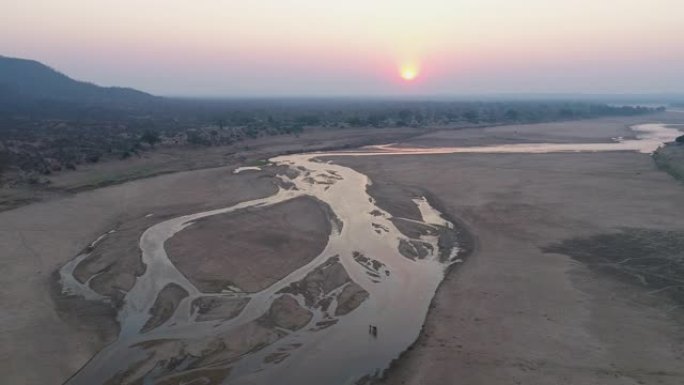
258	163
671	160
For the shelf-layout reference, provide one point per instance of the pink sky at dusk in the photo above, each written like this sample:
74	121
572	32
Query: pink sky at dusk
354	47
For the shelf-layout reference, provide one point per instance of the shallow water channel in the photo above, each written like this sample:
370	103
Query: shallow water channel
333	347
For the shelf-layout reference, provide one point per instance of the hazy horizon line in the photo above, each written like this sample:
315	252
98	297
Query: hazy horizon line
651	96
634	96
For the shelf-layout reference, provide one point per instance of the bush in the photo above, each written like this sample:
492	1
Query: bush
193	137
93	158
150	137
4	161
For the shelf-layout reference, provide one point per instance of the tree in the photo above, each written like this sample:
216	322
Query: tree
405	115
471	116
4	161
308	120
376	120
93	158
193	137
355	121
221	123
150	137
512	115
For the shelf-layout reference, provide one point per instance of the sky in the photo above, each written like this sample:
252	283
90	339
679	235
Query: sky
354	47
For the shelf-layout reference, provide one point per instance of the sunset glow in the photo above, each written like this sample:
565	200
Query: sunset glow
408	73
310	47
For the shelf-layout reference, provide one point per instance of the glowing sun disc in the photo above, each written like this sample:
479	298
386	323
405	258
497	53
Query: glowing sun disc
408	73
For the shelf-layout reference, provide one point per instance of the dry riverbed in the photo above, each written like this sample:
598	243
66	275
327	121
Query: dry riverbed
531	305
62	332
525	307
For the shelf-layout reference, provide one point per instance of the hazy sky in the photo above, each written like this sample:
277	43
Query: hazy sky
353	47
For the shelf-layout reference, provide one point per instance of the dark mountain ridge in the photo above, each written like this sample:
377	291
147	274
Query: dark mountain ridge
25	81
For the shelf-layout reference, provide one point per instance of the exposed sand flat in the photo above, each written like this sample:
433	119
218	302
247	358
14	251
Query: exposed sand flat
286	313
166	303
213	308
582	131
251	249
513	314
38	239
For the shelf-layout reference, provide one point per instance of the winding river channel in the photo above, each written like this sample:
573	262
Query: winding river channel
391	289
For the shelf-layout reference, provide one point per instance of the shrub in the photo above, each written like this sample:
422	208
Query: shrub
150	137
4	161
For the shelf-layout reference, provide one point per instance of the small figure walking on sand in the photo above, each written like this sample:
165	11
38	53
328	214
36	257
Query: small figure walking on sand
373	330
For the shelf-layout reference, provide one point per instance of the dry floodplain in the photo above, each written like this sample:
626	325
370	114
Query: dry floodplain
559	269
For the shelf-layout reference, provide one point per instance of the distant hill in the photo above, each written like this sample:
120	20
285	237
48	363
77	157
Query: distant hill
27	81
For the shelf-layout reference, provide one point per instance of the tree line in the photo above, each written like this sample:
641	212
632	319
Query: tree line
56	139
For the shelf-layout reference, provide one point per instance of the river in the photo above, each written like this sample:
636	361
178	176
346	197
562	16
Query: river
399	289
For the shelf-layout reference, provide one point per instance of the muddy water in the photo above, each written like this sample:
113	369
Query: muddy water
343	353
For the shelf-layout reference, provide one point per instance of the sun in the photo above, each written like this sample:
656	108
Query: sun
408	73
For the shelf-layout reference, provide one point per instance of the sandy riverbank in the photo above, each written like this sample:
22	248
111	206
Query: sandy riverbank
515	314
166	160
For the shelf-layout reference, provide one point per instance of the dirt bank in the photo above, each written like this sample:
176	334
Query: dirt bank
165	160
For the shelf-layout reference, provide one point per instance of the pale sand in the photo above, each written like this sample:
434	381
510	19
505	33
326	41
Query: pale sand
45	342
251	249
515	315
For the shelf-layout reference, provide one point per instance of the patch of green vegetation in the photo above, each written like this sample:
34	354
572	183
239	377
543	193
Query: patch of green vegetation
653	259
670	159
258	163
